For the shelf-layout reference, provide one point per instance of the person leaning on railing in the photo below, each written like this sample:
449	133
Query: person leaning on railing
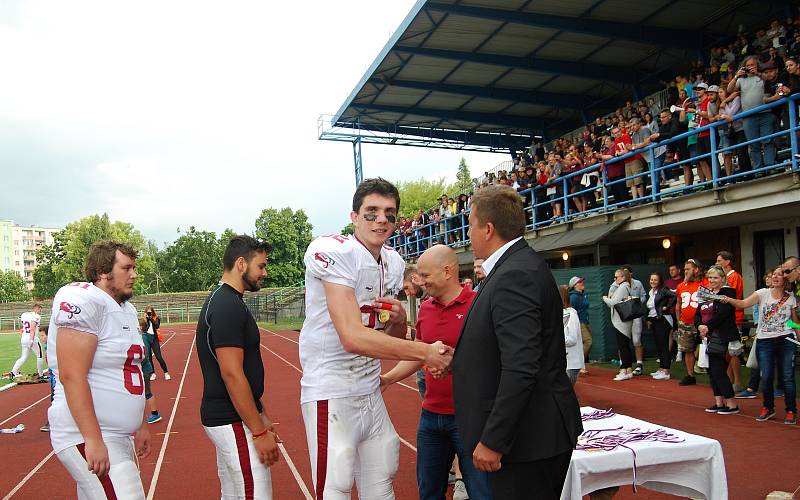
672	124
748	80
733	132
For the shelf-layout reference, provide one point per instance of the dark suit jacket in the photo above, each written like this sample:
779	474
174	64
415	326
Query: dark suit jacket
510	386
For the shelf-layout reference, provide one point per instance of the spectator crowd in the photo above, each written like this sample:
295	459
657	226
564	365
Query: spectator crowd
754	69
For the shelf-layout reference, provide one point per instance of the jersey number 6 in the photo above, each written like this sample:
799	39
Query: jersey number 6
131	372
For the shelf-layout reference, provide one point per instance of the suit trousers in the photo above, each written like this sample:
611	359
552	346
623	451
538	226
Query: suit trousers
537	480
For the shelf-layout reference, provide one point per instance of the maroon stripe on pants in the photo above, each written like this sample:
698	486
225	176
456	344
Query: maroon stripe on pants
322	447
105	480
244	460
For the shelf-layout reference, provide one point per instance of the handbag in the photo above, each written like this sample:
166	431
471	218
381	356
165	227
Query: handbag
702	358
716	346
630	309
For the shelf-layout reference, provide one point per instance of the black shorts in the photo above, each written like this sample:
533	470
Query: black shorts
703	147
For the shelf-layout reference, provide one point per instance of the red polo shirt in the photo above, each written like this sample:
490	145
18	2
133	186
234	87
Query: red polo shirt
437	321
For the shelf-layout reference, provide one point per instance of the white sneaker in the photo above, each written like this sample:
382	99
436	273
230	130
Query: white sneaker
661	376
623	376
153	376
166	376
460	490
653	374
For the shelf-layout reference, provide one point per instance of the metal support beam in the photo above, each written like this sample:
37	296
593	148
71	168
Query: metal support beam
619	74
637	32
357	159
514	95
508	121
377	133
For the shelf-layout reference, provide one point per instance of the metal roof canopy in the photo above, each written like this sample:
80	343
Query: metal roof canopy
490	75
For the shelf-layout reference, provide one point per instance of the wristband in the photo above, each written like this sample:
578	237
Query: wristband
255	436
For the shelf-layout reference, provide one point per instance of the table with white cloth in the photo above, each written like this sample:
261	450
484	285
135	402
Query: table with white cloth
692	468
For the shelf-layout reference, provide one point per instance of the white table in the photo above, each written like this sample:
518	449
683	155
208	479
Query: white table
693	468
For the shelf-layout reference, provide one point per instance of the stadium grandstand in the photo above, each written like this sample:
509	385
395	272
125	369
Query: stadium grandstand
601	112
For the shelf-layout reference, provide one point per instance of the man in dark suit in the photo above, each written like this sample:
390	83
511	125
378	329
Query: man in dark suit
515	407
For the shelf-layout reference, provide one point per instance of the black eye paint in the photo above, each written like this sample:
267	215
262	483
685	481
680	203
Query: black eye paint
371	217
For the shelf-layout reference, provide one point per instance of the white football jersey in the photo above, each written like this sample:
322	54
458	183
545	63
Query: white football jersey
329	371
115	377
29	326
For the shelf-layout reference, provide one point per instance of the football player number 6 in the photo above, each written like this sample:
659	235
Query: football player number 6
134	382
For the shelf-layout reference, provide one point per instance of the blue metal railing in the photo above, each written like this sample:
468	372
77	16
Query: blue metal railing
453	230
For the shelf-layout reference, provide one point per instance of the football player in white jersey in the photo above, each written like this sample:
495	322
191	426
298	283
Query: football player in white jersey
29	327
95	352
353	320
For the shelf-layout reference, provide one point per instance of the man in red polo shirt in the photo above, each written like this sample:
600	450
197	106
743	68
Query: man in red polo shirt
440	318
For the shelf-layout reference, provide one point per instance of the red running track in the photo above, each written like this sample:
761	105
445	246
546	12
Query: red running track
758	456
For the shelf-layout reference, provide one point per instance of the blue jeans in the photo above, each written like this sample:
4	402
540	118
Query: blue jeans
437	445
768	350
758	126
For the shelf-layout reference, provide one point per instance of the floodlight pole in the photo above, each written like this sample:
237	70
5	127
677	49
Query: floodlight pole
357	154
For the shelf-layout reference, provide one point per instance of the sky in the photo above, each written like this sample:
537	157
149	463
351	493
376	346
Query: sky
168	114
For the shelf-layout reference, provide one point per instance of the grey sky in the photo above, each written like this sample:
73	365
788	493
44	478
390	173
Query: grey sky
171	114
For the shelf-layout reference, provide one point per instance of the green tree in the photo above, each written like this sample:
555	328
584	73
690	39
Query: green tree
348	229
419	195
46	281
463	182
193	262
64	261
12	287
289	232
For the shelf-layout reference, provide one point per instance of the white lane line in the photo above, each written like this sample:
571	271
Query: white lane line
25	409
295	473
8	386
300	482
28	476
48	396
281	336
168	431
282	359
301	371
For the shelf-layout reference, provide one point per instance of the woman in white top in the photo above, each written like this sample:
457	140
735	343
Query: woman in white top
776	308
572	337
624	329
660	300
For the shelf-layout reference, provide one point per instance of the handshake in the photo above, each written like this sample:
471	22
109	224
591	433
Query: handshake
438	359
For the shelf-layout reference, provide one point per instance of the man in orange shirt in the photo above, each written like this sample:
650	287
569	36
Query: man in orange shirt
735	281
685	309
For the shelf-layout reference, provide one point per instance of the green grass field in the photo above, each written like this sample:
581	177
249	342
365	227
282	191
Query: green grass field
282	324
9	353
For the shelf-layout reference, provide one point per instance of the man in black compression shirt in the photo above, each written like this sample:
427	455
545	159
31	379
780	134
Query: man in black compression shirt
228	348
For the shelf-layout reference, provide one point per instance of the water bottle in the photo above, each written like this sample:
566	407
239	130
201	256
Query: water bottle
13	430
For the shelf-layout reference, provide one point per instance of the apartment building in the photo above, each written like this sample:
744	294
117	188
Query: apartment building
18	245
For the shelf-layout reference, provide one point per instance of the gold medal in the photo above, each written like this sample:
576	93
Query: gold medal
383	316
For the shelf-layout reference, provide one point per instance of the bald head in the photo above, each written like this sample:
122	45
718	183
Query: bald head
439	256
437	269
